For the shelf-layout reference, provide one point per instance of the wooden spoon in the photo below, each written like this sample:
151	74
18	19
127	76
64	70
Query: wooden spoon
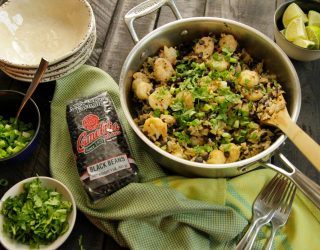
302	140
35	81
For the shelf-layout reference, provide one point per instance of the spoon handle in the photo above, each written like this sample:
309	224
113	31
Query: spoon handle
302	140
35	81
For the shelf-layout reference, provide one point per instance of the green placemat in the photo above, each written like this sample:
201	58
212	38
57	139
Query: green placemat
168	212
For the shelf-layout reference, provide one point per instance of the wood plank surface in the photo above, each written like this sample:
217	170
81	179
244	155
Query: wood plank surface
111	49
257	14
104	12
186	8
118	42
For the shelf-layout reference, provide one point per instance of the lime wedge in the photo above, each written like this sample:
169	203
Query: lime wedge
296	29
293	11
313	33
314	18
307	44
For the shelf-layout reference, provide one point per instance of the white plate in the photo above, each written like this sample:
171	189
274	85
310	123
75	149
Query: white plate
52	76
54	67
10	244
31	29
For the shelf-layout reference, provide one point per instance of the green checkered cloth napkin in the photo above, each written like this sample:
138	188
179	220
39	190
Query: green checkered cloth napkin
169	212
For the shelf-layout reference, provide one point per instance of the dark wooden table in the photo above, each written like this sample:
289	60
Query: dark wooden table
113	45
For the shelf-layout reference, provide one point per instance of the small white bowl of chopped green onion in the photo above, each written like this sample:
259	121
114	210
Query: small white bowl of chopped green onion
36	213
17	138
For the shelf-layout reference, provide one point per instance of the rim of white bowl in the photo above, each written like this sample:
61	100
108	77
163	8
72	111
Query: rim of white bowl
74	66
71	219
54	67
59	67
90	27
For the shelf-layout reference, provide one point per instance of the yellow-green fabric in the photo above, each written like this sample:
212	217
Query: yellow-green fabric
169	212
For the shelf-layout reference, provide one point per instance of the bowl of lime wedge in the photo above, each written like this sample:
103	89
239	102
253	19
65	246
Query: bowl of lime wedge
297	29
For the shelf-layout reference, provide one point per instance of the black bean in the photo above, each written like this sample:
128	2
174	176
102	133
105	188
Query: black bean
253	115
226	154
263	136
231	84
205	156
163	143
198	159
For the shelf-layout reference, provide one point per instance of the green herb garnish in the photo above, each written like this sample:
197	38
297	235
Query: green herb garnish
14	136
37	216
81	243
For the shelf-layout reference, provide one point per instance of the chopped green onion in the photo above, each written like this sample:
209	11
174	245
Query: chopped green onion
14	136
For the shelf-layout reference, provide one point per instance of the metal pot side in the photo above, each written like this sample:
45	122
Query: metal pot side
257	44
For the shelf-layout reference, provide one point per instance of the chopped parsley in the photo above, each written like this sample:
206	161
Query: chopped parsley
37	216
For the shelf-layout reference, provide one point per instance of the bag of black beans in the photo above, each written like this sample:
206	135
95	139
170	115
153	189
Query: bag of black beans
101	151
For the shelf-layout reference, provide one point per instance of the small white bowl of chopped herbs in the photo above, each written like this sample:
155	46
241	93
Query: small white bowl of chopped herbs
36	213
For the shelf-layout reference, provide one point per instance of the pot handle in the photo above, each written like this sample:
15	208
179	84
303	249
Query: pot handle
144	9
306	185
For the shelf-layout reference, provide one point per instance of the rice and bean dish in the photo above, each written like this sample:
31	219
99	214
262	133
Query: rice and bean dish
204	101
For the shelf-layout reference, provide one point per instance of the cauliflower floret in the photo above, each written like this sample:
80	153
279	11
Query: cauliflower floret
216	157
154	127
160	99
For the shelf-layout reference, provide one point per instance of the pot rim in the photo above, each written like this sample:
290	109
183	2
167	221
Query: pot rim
262	155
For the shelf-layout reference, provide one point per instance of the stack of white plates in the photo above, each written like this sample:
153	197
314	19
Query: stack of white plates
62	32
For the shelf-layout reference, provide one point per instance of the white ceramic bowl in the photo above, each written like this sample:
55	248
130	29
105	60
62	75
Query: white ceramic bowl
58	73
32	29
57	70
10	244
56	66
292	50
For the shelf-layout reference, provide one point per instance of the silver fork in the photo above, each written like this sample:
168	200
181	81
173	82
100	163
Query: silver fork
263	209
281	215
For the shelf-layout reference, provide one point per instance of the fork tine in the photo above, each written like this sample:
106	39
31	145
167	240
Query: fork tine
266	203
280	191
273	196
270	186
290	194
285	193
282	213
293	194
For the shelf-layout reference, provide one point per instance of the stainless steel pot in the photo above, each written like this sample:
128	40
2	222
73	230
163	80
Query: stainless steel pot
183	30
